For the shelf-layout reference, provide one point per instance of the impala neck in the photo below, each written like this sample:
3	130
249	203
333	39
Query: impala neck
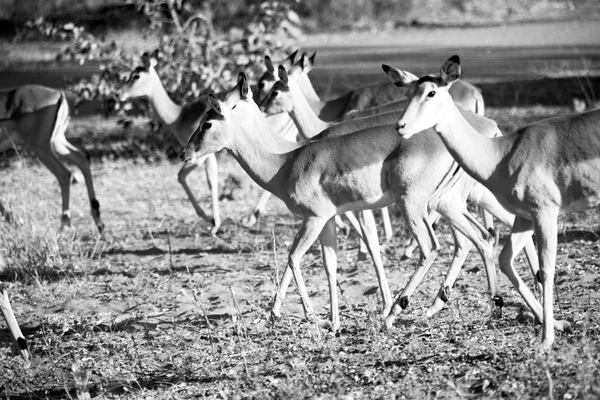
307	122
167	111
309	93
261	152
478	155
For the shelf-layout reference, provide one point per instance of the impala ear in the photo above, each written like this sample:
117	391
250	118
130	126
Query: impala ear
243	84
450	71
283	75
399	77
290	60
214	102
307	62
269	64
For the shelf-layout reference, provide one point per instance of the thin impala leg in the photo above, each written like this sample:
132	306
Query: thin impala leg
411	244
212	177
306	236
20	343
521	232
76	156
182	177
259	208
387	224
362	247
328	239
455	211
462	247
369	231
423	234
63	175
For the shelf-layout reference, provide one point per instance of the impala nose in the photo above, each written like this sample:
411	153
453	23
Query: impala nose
401	125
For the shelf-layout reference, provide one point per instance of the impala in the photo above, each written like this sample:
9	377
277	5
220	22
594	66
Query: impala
181	121
362	170
286	96
38	116
538	172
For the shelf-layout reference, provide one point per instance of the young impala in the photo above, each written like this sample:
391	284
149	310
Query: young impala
286	96
544	169
363	170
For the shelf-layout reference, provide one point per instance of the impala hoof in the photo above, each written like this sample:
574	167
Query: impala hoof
563	326
249	221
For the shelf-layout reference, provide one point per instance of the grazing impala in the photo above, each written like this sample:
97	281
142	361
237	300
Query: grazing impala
363	170
38	116
538	172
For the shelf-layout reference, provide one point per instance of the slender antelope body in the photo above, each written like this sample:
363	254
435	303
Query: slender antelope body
38	116
362	170
544	169
181	121
285	96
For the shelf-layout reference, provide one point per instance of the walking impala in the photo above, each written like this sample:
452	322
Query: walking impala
537	172
37	117
181	121
286	96
361	170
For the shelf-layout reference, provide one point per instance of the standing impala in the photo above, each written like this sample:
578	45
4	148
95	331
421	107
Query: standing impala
38	116
181	121
538	172
362	170
286	96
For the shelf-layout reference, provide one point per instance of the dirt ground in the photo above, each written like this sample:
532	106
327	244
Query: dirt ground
162	309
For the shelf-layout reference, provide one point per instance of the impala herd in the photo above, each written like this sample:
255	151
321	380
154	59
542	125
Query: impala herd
421	144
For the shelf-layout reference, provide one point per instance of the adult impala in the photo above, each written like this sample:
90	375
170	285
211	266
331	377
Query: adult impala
538	172
286	96
334	175
37	117
181	121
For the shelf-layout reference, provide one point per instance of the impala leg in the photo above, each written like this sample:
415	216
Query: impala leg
212	177
462	247
411	244
362	247
306	236
456	213
182	177
19	340
76	156
429	250
546	231
259	208
63	175
369	231
489	203
328	239
387	224
521	232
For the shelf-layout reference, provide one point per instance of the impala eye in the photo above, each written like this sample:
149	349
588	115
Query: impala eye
136	77
431	94
274	94
261	85
206	126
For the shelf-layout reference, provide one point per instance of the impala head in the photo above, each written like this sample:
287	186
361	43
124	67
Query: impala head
222	122
268	78
426	97
281	97
142	80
